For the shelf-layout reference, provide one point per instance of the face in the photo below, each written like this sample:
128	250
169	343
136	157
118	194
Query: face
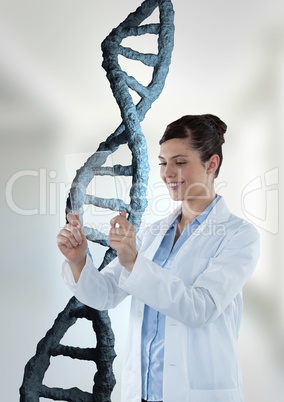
181	169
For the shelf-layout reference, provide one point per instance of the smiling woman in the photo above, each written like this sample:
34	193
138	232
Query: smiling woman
191	157
204	132
184	273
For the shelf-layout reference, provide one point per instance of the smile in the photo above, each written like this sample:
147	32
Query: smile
174	185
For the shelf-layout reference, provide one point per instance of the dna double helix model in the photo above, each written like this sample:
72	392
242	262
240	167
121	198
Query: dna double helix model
129	132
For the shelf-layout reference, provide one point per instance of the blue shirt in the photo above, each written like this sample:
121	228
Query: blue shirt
153	328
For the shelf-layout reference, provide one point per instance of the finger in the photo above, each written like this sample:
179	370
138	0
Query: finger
63	241
114	222
121	236
114	235
74	219
68	233
121	231
123	213
115	238
77	231
119	220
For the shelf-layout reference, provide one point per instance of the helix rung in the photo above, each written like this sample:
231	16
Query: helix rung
114	204
70	395
75	352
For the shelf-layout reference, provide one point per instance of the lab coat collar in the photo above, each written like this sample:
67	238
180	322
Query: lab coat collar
219	213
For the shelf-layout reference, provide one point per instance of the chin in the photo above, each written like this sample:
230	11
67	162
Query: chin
176	197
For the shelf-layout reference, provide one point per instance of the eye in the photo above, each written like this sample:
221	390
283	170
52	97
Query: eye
180	163
162	164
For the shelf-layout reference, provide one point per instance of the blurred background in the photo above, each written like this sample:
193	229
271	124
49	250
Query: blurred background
57	106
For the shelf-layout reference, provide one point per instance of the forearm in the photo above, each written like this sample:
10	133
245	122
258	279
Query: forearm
169	294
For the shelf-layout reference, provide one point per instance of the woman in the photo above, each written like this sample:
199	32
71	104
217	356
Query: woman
185	274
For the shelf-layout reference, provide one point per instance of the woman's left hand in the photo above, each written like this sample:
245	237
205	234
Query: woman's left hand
122	238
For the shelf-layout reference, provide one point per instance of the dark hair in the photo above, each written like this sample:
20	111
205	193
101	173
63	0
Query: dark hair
205	133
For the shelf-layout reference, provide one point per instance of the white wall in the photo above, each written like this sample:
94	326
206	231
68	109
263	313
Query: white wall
55	100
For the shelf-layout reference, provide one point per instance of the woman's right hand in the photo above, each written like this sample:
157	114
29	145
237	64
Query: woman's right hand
72	243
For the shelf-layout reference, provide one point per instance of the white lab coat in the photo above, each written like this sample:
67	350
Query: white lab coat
201	298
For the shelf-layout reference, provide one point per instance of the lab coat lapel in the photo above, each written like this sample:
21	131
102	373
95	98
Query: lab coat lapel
158	232
219	214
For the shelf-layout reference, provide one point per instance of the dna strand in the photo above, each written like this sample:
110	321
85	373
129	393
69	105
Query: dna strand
129	132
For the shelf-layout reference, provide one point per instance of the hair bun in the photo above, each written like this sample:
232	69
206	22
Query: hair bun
218	124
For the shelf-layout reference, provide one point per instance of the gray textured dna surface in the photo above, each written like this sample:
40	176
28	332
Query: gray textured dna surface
129	132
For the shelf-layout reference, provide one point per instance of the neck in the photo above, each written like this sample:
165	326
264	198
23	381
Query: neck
195	206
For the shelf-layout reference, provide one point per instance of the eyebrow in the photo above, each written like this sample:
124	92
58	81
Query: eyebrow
175	156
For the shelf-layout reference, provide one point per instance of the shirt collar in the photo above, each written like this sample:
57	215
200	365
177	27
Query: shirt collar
201	218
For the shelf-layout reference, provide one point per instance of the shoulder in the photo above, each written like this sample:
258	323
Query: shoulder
231	232
232	222
242	238
247	235
240	225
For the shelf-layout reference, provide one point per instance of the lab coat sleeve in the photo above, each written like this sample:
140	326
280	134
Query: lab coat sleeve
96	289
203	301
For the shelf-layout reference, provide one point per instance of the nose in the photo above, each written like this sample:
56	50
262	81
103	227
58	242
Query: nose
169	170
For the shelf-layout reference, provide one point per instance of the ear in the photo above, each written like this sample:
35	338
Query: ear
213	164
